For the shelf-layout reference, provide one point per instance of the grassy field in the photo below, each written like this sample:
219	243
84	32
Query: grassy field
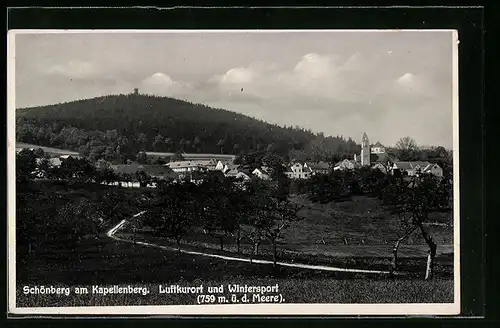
357	233
358	221
413	266
318	239
107	262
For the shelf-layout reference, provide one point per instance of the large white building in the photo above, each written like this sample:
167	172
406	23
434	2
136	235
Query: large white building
298	171
416	167
378	148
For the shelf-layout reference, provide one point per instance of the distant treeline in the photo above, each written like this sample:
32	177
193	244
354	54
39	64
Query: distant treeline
119	126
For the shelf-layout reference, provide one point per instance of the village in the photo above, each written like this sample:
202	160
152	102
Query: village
194	167
321	163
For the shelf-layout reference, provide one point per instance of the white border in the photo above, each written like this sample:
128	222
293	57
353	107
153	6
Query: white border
248	309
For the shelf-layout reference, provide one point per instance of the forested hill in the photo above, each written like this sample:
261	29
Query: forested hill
126	124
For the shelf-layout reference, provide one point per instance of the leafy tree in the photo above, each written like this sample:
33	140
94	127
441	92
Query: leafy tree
114	207
325	188
25	166
143	178
44	168
177	157
220	144
197	144
142	140
142	158
412	200
159	161
102	165
109	153
159	143
76	220
271	216
39	153
174	211
279	215
298	155
77	170
168	144
221	208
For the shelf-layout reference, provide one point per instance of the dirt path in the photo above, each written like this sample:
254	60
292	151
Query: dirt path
111	233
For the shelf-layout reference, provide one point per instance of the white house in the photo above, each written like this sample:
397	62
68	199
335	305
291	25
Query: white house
210	164
186	166
413	168
347	164
378	148
318	168
68	156
242	175
261	173
53	162
386	168
230	170
298	171
220	165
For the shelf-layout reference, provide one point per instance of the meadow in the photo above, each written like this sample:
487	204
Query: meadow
107	262
356	233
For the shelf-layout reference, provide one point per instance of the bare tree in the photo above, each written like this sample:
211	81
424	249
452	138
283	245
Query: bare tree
279	216
406	143
413	199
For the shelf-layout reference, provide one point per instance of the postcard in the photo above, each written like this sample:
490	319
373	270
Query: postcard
233	172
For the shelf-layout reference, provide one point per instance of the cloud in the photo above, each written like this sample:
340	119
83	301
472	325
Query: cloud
314	67
411	86
381	83
406	79
314	76
162	84
74	69
159	79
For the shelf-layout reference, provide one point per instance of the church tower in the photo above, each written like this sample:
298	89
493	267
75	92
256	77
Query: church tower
365	151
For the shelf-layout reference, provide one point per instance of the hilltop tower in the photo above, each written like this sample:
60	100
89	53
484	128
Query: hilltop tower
365	150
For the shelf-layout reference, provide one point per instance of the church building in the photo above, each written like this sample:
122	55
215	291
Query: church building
365	157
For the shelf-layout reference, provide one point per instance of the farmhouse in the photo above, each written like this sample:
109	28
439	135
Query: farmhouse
53	162
186	166
377	148
347	164
68	156
262	173
298	171
210	164
243	176
386	168
230	170
319	167
160	172
154	171
414	168
220	165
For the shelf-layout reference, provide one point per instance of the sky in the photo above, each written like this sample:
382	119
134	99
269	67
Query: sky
387	84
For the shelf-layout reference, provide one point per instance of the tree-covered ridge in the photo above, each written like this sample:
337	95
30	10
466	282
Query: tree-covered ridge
119	126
